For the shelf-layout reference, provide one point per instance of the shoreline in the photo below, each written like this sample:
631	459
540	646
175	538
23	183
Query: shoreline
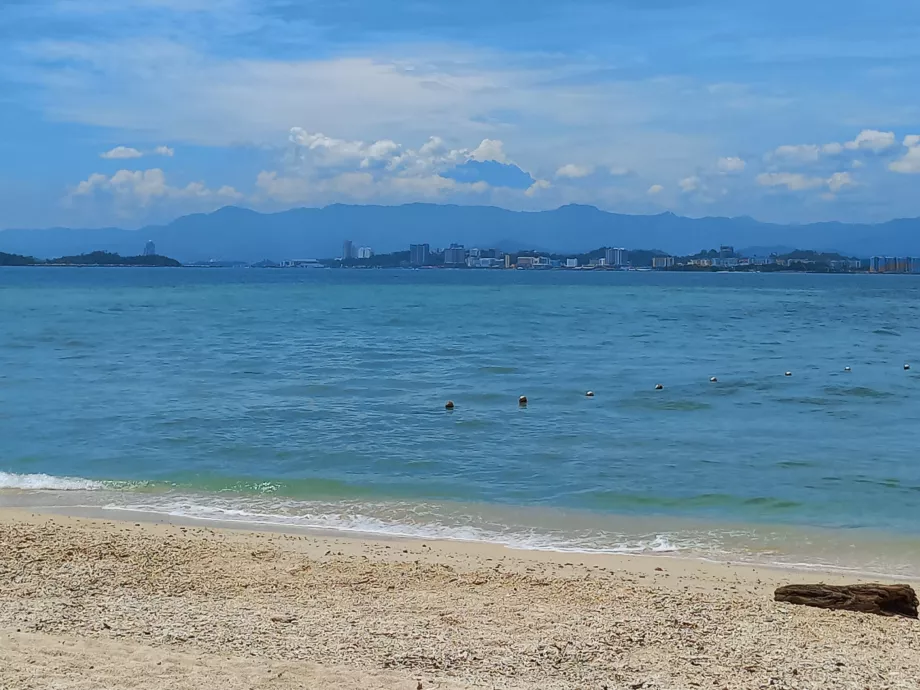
781	546
103	602
150	517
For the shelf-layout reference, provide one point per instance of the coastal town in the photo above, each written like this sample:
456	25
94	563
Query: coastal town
725	258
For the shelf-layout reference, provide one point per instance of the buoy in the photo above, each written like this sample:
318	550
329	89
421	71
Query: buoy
522	400
449	405
846	368
907	367
659	387
788	373
713	379
589	394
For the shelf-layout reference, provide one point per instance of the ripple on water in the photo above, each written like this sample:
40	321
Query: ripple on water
857	392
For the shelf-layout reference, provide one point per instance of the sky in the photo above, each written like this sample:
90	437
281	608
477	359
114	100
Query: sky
130	112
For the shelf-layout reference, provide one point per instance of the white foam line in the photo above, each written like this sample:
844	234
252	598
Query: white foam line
47	482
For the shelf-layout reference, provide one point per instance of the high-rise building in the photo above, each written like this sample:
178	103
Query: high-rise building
662	261
419	254
455	255
150	249
616	256
348	250
365	252
726	251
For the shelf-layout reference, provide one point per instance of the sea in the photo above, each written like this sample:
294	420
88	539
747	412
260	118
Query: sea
312	399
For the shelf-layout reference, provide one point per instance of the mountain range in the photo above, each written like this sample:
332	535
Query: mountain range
233	233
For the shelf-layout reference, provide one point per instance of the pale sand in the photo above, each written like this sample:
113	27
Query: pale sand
99	604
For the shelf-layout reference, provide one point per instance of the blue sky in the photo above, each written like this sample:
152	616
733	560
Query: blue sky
127	112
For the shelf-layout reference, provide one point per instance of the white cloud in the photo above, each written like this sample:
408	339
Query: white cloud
797	182
840	180
690	184
730	165
164	151
537	187
867	140
573	171
872	140
489	150
909	164
655	189
121	153
140	188
358	186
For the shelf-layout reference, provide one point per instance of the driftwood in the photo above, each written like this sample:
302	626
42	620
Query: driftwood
884	600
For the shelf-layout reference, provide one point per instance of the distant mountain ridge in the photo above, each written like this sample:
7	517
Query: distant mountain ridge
243	234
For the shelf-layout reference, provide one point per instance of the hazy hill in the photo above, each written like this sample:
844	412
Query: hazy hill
237	233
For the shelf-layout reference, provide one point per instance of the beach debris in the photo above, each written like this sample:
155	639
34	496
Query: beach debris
589	394
522	401
882	600
283	618
659	387
449	405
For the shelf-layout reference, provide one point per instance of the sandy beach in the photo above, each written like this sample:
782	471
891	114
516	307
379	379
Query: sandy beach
96	603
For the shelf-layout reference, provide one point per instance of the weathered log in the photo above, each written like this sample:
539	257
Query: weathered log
883	600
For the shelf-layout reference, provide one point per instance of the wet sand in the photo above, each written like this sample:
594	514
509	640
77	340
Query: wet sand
96	603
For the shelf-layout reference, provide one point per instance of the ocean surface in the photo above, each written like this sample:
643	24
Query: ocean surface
315	399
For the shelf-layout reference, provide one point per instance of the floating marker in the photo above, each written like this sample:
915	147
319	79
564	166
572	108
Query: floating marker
788	373
713	379
659	387
449	405
907	367
589	394
846	368
522	401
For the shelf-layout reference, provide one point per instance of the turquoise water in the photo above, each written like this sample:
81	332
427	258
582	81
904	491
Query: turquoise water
316	398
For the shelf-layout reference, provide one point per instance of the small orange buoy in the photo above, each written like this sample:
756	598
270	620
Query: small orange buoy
449	405
659	387
589	394
522	400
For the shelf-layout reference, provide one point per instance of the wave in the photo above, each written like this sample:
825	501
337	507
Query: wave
358	522
47	482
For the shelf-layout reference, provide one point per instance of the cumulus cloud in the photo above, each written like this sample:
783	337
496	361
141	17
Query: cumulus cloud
872	140
121	153
143	187
655	189
573	171
537	187
690	184
164	151
359	186
797	182
839	180
730	165
909	164
490	150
